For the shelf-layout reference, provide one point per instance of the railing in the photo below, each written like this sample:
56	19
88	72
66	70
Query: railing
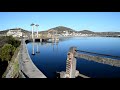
100	59
97	57
99	54
74	54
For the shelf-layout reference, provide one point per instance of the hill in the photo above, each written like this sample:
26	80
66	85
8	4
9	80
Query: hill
61	29
86	32
4	32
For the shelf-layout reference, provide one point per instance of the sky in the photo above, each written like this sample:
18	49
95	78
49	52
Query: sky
94	21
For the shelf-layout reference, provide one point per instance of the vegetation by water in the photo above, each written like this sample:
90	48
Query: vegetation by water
8	46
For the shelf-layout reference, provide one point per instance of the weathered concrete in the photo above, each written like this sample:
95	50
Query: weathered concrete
62	74
71	71
109	61
83	76
71	64
26	64
74	54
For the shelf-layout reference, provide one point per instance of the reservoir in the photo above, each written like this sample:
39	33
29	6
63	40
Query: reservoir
52	56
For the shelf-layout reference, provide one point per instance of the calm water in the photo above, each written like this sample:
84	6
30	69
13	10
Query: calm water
52	56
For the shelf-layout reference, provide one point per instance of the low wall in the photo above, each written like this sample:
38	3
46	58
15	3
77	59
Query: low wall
26	65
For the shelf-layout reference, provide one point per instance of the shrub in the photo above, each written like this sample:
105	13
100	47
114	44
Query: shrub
6	52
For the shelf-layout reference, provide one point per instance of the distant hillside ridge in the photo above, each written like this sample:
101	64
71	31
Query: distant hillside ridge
22	30
4	31
86	32
61	29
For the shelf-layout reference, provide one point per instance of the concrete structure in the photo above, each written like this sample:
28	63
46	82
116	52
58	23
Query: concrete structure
71	64
99	59
71	71
37	29
77	74
32	30
27	67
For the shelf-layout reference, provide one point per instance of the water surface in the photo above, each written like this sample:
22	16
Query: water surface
52	56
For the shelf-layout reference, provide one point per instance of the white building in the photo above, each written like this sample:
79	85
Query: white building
15	32
65	33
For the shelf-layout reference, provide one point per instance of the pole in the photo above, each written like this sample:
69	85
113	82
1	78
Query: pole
37	32
32	32
37	29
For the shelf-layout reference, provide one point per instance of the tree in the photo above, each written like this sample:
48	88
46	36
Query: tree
6	52
13	41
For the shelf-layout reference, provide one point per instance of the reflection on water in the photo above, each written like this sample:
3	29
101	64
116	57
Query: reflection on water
55	46
37	47
33	51
53	55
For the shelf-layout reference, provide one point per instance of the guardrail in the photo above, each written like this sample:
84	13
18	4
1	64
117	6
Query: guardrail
100	58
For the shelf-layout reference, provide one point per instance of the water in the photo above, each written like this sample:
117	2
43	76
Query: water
52	56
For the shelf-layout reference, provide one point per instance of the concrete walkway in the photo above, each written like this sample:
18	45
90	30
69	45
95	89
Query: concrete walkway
26	64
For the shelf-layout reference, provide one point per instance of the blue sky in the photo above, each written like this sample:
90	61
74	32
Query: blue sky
94	21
